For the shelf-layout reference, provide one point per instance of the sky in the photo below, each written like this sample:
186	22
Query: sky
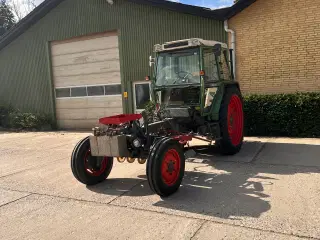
22	6
213	4
207	3
202	3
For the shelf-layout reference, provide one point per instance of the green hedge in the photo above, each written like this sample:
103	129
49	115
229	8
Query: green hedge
15	119
293	115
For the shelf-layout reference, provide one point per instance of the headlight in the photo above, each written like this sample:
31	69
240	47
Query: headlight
136	143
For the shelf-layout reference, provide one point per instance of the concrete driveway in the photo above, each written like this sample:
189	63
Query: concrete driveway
270	190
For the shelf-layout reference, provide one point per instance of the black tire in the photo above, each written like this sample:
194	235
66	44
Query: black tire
80	156
162	150
231	143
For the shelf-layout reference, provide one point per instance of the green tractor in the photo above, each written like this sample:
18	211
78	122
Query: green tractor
196	97
193	78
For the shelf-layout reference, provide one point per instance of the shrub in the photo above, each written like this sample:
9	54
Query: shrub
4	112
15	119
150	109
293	115
152	113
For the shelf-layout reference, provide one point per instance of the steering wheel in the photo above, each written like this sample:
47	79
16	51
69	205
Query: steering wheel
185	75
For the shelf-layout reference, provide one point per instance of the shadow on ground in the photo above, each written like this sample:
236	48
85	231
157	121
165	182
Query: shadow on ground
235	189
224	195
230	189
116	186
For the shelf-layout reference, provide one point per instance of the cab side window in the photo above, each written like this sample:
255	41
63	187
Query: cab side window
210	66
225	72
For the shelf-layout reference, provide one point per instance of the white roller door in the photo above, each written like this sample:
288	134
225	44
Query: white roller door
86	75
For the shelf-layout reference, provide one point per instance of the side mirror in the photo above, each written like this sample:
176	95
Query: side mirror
217	50
151	61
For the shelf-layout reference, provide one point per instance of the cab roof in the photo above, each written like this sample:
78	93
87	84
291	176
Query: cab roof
186	43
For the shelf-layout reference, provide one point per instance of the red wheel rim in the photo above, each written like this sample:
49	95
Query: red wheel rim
94	171
170	167
235	120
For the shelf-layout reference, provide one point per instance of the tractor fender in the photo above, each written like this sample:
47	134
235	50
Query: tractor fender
232	84
214	113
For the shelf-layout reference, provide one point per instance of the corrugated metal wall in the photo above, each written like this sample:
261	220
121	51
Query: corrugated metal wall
25	67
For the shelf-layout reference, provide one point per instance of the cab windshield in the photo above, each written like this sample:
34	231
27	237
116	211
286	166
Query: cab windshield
178	67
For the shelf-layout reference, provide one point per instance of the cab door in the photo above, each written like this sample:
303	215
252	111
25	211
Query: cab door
141	95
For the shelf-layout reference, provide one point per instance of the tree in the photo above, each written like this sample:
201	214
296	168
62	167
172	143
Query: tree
21	8
7	19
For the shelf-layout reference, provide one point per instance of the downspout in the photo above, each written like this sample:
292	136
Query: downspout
233	46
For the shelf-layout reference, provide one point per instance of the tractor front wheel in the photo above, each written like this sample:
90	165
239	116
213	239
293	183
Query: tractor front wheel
165	167
231	122
89	169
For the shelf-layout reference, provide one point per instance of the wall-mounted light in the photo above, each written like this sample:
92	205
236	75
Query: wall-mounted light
110	2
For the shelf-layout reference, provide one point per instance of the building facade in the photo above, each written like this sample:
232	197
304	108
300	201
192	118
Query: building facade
278	46
79	60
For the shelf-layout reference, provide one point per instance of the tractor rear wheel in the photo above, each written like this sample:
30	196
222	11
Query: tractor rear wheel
231	122
165	167
89	169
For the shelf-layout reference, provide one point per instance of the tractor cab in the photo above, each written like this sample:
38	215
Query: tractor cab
188	74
